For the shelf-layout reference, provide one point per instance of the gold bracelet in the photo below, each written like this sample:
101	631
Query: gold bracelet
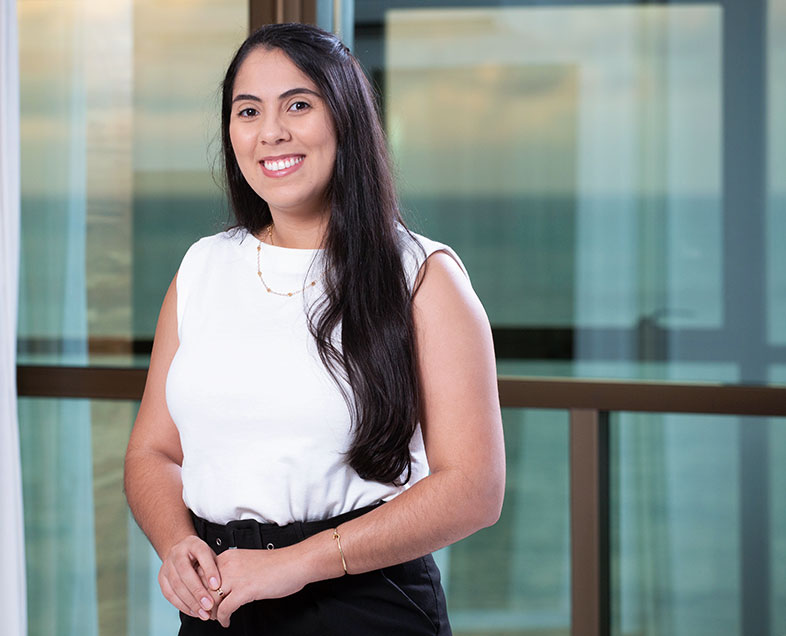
337	537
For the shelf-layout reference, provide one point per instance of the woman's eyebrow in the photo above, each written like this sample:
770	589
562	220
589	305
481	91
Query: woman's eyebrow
285	95
245	96
298	91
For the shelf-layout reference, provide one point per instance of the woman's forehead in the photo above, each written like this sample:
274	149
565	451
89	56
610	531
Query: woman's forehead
269	73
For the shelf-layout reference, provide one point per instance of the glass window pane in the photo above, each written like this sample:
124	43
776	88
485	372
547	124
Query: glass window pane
583	140
119	129
776	147
514	578
90	570
599	171
694	530
776	462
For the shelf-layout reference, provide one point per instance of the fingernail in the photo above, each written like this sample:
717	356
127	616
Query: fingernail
206	602
203	615
214	582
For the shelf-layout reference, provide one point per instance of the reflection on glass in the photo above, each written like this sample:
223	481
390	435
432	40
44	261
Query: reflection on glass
775	463
776	293
116	169
181	51
514	578
572	153
776	160
575	155
90	570
60	544
676	525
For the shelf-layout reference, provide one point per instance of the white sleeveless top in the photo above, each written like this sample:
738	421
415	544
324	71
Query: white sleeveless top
263	427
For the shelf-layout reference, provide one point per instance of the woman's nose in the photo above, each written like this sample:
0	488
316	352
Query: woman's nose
272	130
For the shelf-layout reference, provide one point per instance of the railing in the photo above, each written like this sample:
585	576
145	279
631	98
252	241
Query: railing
589	403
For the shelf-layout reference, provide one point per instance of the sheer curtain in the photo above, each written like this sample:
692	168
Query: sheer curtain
12	561
56	435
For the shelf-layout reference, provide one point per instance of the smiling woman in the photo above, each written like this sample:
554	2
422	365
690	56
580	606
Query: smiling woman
290	429
284	142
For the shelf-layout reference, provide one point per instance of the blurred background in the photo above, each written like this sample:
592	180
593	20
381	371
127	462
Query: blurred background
612	173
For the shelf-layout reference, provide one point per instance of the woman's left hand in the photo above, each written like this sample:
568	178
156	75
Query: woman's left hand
251	575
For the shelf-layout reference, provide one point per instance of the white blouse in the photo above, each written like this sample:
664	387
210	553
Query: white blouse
263	427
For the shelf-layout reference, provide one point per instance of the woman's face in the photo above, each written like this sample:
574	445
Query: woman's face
282	134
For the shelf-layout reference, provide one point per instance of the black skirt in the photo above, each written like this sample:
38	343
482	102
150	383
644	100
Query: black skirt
402	600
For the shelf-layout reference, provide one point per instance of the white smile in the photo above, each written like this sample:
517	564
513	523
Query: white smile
282	164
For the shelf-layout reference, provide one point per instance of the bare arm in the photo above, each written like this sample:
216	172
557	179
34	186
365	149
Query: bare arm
153	485
462	429
463	436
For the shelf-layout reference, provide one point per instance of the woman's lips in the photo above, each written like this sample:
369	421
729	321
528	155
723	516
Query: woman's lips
281	166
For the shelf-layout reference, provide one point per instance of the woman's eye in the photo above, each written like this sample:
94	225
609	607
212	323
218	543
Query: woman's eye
298	106
247	112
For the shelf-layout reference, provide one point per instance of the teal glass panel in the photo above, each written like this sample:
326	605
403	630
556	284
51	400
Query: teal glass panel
119	129
90	570
55	77
574	188
776	462
776	149
514	578
695	534
176	142
599	171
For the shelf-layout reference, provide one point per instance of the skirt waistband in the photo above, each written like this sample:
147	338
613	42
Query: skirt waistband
251	534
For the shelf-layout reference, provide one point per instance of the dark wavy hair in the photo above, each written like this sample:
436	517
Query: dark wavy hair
366	290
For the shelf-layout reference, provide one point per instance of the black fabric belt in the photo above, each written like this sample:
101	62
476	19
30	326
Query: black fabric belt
250	534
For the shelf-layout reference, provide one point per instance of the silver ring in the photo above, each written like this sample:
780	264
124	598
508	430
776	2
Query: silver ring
220	592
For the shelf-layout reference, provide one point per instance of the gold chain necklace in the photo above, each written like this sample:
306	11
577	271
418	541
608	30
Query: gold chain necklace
259	270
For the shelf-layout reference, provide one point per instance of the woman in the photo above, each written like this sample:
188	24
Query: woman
309	365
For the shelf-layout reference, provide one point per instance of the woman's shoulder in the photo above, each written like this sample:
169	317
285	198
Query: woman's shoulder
212	254
416	249
226	239
209	247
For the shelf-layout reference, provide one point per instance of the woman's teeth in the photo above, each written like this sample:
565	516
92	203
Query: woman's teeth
281	164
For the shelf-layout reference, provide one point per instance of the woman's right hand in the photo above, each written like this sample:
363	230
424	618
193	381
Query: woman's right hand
184	586
154	486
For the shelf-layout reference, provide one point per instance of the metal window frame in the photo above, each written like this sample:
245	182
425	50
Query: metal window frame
276	11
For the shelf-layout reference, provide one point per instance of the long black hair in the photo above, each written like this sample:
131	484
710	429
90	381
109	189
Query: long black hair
366	289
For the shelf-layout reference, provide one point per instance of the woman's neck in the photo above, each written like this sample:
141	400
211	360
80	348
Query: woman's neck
304	234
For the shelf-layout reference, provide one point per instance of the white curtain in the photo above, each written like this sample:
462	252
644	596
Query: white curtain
12	555
56	435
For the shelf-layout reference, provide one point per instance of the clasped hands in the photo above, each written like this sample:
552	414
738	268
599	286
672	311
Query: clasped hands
206	586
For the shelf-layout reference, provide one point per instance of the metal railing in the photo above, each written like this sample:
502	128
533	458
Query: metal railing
589	403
